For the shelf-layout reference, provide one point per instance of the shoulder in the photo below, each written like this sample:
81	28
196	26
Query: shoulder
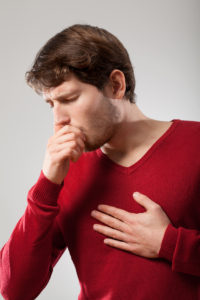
188	129
189	123
187	139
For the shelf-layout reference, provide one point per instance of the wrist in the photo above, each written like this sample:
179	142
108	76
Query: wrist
52	179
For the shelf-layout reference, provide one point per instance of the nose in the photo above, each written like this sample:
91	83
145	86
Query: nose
59	125
61	118
62	123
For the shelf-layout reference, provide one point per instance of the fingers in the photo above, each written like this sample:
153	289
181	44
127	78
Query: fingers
144	201
118	244
67	142
113	233
109	220
71	150
71	137
69	129
73	155
118	213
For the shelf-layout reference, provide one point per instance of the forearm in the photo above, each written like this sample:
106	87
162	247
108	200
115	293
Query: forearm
26	259
181	246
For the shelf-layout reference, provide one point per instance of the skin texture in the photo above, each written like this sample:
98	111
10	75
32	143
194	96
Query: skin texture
88	109
90	119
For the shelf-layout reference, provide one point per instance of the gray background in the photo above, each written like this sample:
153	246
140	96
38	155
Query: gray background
163	40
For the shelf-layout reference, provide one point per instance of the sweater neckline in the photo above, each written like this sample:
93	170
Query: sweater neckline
148	153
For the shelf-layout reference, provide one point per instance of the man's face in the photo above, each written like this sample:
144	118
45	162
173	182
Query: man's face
85	107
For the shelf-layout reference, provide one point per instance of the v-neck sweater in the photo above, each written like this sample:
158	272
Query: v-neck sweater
58	217
148	153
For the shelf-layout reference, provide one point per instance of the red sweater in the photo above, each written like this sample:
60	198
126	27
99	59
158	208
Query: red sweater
58	216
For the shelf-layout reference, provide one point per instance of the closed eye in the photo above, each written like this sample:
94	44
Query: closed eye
65	101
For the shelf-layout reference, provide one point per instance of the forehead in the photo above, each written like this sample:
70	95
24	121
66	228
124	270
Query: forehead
70	85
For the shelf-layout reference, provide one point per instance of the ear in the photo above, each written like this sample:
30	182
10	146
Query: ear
116	86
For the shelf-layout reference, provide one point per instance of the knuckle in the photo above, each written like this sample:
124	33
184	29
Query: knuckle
72	144
130	231
128	238
114	235
131	220
112	224
81	142
156	207
73	135
68	152
67	127
133	248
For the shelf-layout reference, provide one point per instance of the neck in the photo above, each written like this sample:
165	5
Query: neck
131	131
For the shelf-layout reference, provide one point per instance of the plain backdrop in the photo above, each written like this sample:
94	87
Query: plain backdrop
163	41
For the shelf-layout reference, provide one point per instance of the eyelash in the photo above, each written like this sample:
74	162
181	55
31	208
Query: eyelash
51	106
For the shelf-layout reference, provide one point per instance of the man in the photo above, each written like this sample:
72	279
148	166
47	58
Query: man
124	245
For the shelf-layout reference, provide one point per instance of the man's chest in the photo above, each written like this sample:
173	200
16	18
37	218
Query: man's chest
174	190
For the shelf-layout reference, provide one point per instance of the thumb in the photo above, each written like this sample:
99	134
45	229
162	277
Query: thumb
57	128
143	200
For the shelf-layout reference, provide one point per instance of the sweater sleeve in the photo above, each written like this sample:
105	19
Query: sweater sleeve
35	245
181	247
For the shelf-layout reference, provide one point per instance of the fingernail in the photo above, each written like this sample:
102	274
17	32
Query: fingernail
136	194
93	213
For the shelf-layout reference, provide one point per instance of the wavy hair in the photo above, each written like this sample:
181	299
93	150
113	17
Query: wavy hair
89	52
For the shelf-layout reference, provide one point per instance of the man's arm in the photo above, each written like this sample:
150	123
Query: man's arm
181	247
35	245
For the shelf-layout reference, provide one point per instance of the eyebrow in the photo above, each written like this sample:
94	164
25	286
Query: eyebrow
62	96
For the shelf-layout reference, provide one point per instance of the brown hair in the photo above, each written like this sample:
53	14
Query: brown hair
89	52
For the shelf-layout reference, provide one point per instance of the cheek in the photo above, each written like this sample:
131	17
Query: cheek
88	112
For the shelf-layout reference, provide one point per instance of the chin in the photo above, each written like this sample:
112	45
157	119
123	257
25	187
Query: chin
91	148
